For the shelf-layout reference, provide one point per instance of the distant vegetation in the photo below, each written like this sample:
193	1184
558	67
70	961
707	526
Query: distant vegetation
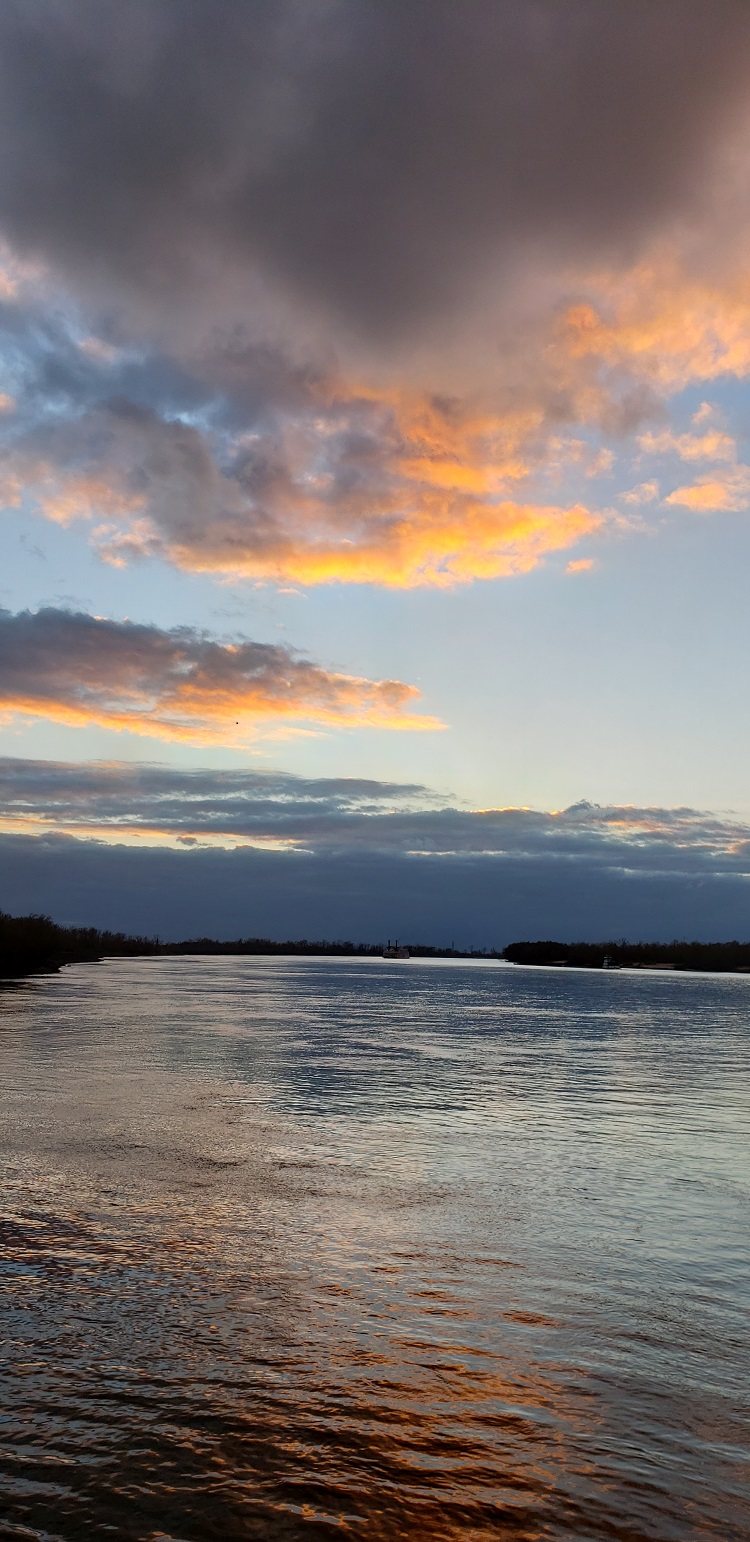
591	955
36	945
304	946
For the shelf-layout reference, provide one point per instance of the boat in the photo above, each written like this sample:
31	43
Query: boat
395	951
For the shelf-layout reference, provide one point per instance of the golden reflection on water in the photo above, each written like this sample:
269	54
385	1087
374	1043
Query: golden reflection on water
314	1248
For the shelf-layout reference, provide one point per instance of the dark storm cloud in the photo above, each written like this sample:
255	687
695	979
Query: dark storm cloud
371	155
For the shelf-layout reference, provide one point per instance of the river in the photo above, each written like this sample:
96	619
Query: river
316	1248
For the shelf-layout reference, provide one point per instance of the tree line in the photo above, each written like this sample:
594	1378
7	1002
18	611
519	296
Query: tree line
304	945
35	944
713	956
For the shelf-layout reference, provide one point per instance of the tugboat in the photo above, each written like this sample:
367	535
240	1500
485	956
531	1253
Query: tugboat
395	951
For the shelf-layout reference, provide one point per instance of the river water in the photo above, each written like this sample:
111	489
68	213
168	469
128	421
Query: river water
349	1248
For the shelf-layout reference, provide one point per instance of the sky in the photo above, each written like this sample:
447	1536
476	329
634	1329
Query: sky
374	467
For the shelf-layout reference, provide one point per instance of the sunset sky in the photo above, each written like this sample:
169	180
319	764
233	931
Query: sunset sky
374	414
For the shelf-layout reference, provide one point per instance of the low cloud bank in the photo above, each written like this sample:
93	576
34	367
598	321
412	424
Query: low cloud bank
480	902
248	853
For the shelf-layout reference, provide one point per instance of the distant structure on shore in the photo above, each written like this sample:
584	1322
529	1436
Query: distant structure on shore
395	951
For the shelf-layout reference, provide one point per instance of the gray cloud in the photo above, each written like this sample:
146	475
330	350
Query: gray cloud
371	156
254	204
355	858
354	816
181	683
480	901
119	796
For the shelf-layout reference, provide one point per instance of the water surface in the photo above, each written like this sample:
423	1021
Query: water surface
328	1248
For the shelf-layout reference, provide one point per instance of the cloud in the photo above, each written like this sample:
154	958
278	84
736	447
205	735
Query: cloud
356	486
723	489
727	492
261	325
357	859
244	461
118	800
713	445
581	565
374	159
704	414
472	902
663	321
73	668
645	492
121	801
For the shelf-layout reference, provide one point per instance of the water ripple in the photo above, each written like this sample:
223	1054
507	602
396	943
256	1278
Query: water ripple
304	1248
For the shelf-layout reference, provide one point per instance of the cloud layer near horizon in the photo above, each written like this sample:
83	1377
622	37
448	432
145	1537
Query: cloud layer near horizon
353	858
116	801
180	684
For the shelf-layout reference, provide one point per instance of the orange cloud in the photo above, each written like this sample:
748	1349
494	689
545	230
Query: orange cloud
78	669
583	565
364	486
713	445
357	483
714	494
662	323
443	542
